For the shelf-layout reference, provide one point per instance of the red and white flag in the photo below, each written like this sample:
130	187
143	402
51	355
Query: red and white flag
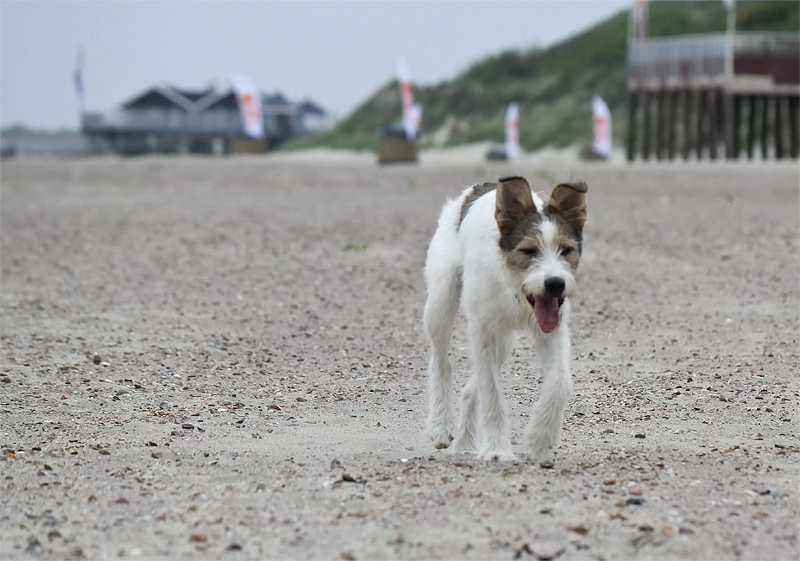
512	130
412	113
601	118
249	99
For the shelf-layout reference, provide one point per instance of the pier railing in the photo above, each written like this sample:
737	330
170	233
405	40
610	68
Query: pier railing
702	57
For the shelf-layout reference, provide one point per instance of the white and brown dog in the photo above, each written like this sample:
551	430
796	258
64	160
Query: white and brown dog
510	257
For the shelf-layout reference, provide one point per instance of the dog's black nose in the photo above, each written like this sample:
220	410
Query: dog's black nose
554	286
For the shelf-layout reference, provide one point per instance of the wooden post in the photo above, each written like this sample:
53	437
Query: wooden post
700	105
778	129
660	96
671	116
713	136
764	125
647	132
728	123
751	126
736	102
632	124
794	138
687	122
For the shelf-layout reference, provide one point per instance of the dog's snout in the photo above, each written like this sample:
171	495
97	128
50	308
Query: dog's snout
554	286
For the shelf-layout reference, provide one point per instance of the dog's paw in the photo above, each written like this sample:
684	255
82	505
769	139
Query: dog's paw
440	431
442	441
496	449
497	456
540	445
464	446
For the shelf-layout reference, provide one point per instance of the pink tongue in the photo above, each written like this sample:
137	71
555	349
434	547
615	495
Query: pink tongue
545	308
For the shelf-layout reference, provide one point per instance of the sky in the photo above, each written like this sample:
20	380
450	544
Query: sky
335	52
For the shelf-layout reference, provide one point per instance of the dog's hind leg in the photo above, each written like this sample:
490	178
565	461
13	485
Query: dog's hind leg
543	432
438	319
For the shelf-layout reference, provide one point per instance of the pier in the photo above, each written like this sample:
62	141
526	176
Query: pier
714	96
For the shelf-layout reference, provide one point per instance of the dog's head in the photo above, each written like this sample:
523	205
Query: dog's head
541	245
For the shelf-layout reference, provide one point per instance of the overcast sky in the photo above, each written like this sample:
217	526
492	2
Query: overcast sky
335	52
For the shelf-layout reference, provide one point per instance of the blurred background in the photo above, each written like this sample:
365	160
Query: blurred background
139	77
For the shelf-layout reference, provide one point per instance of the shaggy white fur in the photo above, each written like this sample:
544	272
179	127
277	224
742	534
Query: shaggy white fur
509	257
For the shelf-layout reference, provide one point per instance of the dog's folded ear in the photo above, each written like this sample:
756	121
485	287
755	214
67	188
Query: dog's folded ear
513	203
569	200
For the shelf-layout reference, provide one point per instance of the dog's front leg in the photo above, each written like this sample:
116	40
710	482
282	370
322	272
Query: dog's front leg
543	432
490	348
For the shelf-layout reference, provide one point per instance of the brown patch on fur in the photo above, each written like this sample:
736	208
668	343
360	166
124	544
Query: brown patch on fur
569	200
516	257
570	244
476	193
517	220
526	245
515	211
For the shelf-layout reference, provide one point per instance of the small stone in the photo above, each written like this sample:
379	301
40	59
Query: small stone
33	545
635	501
639	435
581	529
199	537
187	426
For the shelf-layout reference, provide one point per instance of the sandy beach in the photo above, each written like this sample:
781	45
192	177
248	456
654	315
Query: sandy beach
222	358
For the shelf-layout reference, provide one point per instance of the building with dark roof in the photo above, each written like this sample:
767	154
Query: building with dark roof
166	119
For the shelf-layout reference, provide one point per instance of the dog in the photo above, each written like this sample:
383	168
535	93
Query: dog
508	257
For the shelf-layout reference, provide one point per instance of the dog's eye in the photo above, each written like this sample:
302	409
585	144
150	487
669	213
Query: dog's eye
530	251
565	252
